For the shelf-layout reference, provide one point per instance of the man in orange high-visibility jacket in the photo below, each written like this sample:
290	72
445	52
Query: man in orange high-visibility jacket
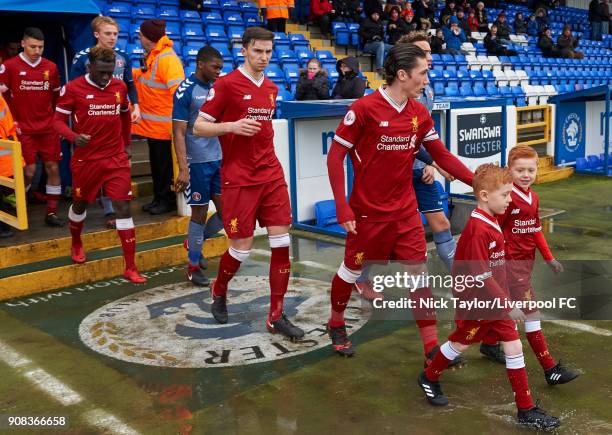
156	81
277	12
7	131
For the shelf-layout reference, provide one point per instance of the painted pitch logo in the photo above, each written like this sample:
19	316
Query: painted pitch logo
171	325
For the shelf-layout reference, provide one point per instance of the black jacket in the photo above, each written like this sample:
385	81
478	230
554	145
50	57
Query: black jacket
437	45
371	6
547	46
347	9
594	12
315	89
520	26
370	31
493	46
401	28
350	85
503	30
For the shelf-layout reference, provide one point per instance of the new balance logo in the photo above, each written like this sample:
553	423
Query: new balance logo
515	211
22	73
492	245
384	124
89	97
246	97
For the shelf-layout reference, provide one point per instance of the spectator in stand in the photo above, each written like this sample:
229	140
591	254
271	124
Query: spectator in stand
371	6
396	27
411	23
494	45
533	27
192	5
277	13
313	83
472	21
407	9
566	44
10	49
481	17
541	17
595	19
372	34
454	36
520	26
350	85
546	44
323	12
347	11
605	17
503	29
463	24
438	44
448	11
425	14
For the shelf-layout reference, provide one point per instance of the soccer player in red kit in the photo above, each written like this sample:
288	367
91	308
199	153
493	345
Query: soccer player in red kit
33	86
99	108
239	109
479	273
381	133
523	234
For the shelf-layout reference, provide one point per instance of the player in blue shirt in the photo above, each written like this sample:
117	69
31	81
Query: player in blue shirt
199	159
106	31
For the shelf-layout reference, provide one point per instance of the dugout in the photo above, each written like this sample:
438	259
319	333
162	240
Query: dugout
582	123
476	131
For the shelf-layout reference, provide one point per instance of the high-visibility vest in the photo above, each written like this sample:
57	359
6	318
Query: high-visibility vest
276	8
7	129
155	90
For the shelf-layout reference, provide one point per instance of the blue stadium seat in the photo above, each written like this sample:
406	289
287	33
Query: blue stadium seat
450	76
463	75
448	61
216	34
252	19
168	13
492	90
118	10
237	55
480	90
298	40
235	32
173	30
135	51
287	57
438	88
122	43
233	18
124	26
461	61
227	68
212	17
190	17
342	34
304	55
190	52
229	5
476	76
325	216
143	12
292	73
224	50
281	40
283	95
168	2
333	75
488	77
274	73
211	5
193	32
325	55
435	76
247	7
466	90
452	90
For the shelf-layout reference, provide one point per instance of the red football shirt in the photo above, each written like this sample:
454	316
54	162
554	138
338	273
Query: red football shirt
481	253
382	138
32	88
95	111
520	223
247	161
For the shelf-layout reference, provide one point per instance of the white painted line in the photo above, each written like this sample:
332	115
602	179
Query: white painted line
582	327
103	420
261	252
12	358
316	265
54	387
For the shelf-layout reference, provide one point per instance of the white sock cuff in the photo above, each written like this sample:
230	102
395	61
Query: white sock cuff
239	255
124	224
53	190
348	275
76	217
532	325
449	352
515	361
279	241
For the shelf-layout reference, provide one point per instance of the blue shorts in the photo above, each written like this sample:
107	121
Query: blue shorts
204	182
427	195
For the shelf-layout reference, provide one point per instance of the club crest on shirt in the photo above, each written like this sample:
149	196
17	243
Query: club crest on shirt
46	75
77	192
349	118
359	258
415	124
472	333
118	96
196	196
211	94
272	100
234	225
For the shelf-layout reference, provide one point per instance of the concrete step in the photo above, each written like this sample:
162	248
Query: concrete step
142	186
553	174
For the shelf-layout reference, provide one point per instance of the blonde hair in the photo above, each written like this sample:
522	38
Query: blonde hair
521	152
490	177
100	21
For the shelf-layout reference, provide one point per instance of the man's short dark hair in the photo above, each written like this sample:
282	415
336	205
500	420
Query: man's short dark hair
207	54
33	33
101	54
402	56
256	33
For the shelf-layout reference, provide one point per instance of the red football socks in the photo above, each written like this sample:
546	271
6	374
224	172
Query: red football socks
228	266
520	386
280	269
425	318
540	348
340	295
53	195
437	366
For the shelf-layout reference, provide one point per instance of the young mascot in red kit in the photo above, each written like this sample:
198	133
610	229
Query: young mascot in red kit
99	108
381	133
523	234
480	256
239	109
